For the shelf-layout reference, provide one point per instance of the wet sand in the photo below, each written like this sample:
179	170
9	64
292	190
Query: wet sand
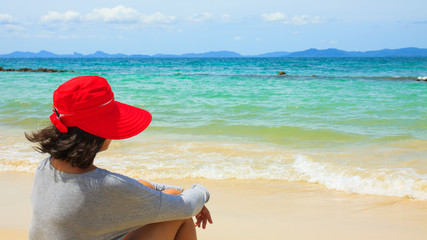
262	210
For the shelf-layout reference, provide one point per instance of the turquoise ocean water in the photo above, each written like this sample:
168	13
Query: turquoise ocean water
352	124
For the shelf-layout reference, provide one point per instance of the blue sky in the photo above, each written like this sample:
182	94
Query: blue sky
244	26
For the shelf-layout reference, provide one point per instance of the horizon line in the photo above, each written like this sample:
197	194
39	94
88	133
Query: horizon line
311	52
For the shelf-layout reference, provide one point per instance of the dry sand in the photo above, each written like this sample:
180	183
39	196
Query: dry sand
263	210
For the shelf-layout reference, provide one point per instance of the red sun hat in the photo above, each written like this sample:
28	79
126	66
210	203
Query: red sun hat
87	102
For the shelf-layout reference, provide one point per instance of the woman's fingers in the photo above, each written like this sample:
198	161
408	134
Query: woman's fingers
209	217
203	218
204	223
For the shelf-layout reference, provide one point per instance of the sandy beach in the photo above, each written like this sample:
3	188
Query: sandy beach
262	210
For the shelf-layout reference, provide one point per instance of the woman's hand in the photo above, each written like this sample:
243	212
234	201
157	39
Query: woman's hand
203	217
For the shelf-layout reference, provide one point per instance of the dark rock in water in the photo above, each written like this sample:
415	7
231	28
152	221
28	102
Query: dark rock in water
6	70
314	75
281	73
31	70
25	70
44	70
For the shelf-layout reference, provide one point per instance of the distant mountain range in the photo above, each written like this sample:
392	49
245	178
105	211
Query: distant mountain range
331	52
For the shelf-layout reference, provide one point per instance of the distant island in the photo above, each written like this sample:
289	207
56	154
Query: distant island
310	53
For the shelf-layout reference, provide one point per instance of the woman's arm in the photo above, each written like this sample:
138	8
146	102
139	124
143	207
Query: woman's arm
203	217
159	186
187	204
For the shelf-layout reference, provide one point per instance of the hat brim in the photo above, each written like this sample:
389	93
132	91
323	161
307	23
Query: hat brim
117	121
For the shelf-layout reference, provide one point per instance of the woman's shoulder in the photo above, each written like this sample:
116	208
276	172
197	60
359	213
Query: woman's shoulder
116	179
43	163
98	176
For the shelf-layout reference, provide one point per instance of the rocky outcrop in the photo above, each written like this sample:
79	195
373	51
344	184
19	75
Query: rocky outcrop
281	73
31	70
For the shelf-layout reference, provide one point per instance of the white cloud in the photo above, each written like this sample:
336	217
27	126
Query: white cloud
6	19
302	20
8	23
125	15
57	18
295	20
201	17
157	17
317	20
122	17
273	17
118	14
238	38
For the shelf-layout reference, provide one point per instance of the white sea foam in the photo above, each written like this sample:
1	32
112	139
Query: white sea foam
399	182
421	78
17	156
403	182
160	159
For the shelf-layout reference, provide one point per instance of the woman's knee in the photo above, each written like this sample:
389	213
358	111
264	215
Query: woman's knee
162	230
172	191
147	184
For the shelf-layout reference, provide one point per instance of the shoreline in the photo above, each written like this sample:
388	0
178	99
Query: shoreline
395	169
262	210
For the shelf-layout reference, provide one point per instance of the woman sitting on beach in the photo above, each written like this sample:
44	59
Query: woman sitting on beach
73	199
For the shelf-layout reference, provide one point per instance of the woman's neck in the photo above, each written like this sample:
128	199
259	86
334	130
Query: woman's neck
65	166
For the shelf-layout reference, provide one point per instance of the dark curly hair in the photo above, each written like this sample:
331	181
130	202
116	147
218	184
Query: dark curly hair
75	146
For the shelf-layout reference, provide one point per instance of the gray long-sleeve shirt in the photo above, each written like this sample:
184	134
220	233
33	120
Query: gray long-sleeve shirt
102	205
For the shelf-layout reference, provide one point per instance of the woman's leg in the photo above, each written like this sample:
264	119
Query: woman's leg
147	184
171	230
183	229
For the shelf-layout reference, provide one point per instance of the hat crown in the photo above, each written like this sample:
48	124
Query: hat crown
82	93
